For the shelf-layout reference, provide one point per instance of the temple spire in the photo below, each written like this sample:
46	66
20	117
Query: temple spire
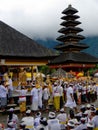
70	42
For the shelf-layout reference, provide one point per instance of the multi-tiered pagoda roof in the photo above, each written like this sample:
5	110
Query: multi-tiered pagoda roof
70	41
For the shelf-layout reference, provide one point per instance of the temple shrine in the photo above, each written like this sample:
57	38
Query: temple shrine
71	55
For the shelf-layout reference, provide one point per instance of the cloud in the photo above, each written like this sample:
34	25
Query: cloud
41	18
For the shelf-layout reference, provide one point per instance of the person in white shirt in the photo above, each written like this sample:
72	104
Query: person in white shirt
82	126
90	126
12	117
94	120
22	97
70	125
40	97
46	95
34	98
37	119
60	88
62	117
94	91
28	120
10	126
3	95
70	103
84	93
53	123
43	124
10	89
56	96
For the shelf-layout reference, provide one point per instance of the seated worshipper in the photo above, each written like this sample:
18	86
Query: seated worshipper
80	113
70	125
1	126
28	120
43	124
12	117
88	110
22	126
90	126
95	120
82	125
85	114
93	112
37	119
10	126
72	117
62	117
53	123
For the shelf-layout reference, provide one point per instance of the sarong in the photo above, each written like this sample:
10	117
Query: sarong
22	103
57	102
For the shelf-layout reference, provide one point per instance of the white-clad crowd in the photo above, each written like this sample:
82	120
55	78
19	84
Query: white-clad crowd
85	119
63	95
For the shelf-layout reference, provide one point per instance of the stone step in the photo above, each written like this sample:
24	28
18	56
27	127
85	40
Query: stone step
11	105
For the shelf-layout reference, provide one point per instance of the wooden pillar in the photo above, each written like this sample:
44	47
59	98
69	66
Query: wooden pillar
32	72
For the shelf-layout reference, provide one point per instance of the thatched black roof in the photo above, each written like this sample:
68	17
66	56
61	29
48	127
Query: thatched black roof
14	43
70	22
70	10
70	36
69	16
74	57
71	45
68	29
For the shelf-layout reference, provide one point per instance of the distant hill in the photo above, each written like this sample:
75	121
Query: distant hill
92	42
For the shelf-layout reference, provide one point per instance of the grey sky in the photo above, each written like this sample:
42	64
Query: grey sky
41	18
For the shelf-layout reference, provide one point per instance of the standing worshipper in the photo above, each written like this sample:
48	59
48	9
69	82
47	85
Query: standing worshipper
60	88
34	98
84	92
75	91
22	97
95	91
40	97
56	97
46	95
10	89
79	90
70	103
3	95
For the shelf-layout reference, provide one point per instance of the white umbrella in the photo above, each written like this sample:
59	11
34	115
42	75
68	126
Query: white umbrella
40	74
96	74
